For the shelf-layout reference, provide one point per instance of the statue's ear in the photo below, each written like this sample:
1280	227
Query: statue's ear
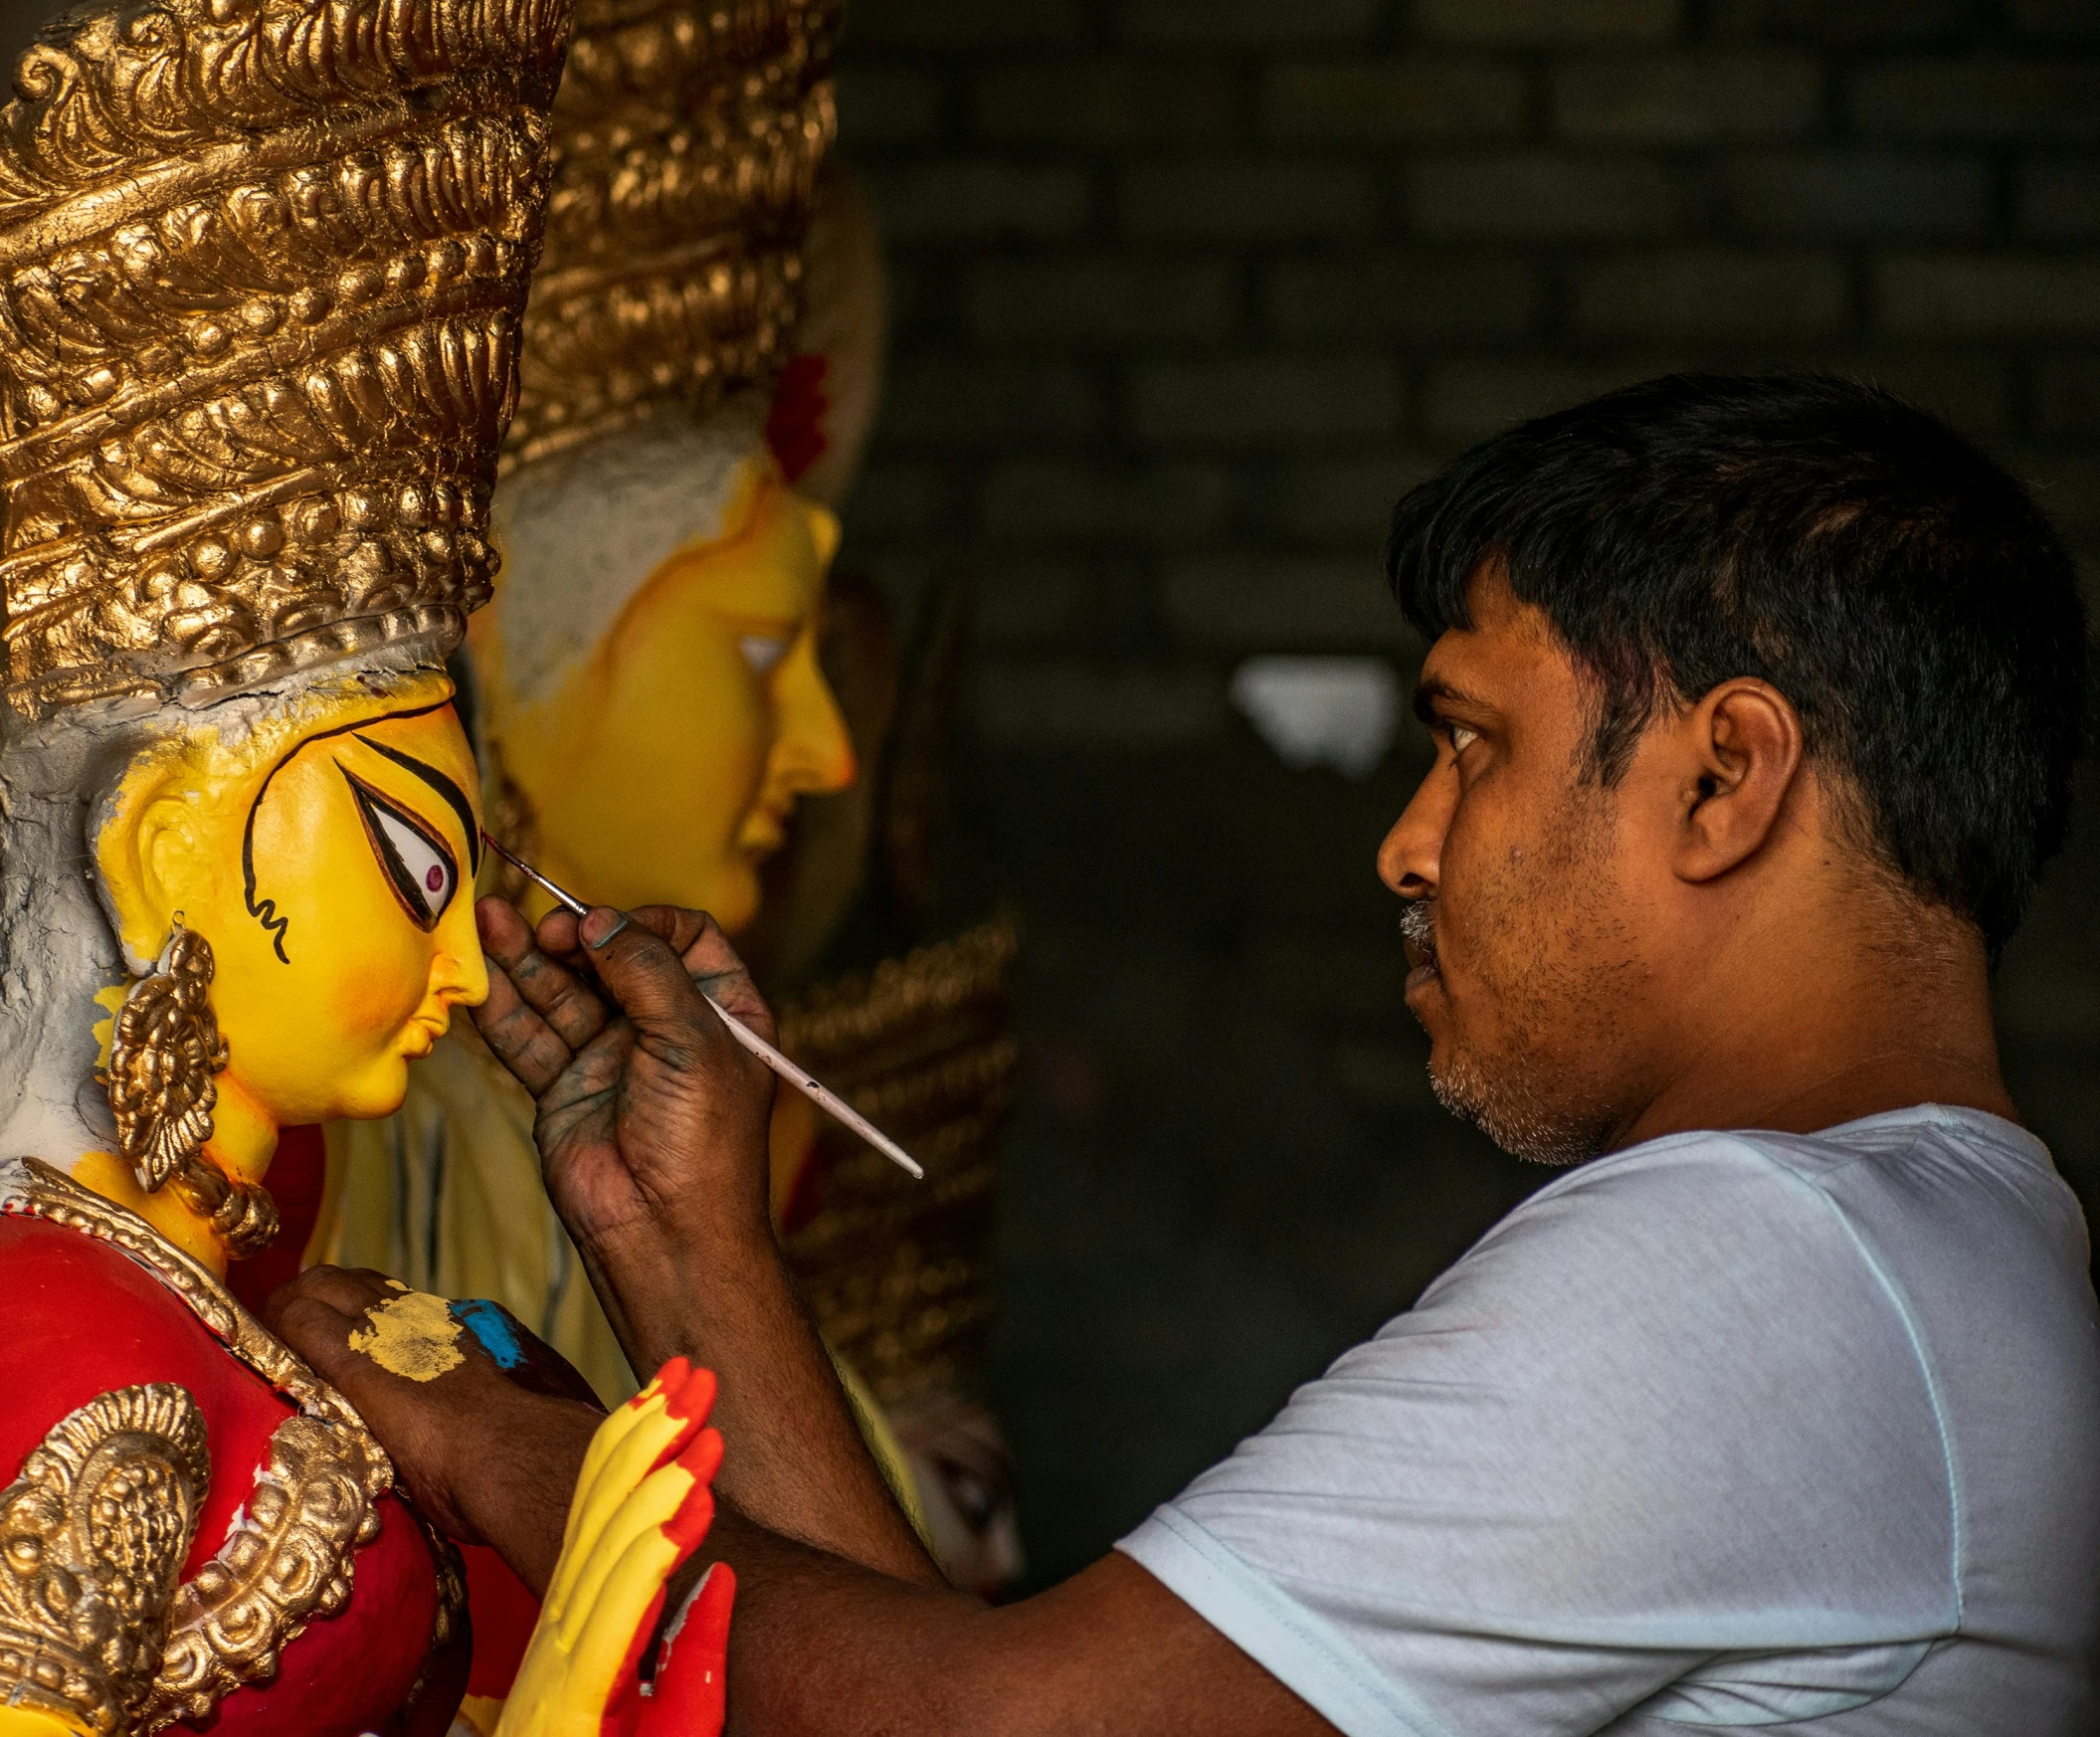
151	855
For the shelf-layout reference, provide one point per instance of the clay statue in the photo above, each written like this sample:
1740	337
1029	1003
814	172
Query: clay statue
264	267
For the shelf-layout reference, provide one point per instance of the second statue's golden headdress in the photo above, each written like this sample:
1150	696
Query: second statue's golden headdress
261	270
687	139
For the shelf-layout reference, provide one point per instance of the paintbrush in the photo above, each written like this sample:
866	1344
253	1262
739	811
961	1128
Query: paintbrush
817	1092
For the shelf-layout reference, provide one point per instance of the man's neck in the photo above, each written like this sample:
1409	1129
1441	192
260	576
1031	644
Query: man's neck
1887	1008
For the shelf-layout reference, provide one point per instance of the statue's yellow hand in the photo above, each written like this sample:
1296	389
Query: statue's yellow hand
642	1505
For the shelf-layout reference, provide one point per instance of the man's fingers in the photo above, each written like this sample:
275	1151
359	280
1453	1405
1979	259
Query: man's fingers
648	980
321	1334
566	1000
350	1290
674	924
709	961
523	1040
504	931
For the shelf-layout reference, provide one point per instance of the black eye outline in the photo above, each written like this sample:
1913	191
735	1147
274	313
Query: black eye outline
413	897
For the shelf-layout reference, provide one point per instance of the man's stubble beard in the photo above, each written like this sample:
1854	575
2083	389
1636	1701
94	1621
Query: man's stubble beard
1553	962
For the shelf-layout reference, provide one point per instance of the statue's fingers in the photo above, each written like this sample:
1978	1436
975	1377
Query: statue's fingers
618	1604
626	1446
617	1566
690	1698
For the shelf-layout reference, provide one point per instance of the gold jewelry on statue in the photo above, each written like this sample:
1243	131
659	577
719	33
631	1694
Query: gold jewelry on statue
162	1057
285	1562
688	136
97	1529
262	267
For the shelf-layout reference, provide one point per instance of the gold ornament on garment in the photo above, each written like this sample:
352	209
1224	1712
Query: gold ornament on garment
92	1535
162	1057
161	1652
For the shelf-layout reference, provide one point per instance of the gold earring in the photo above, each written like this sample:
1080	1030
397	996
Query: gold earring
166	1049
161	1062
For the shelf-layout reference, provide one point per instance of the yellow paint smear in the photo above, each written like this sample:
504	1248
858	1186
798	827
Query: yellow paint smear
412	1335
112	1001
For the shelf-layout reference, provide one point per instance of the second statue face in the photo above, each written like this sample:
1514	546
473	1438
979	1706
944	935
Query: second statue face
664	766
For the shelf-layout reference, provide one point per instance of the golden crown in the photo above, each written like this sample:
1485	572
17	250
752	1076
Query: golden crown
262	268
688	136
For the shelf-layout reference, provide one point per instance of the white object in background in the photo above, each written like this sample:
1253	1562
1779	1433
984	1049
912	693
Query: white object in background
1321	711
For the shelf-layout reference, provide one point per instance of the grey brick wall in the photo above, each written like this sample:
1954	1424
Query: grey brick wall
1188	290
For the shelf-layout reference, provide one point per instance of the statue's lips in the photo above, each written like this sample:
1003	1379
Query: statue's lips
765	830
429	1027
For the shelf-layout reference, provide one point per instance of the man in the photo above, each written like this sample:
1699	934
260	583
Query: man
1755	705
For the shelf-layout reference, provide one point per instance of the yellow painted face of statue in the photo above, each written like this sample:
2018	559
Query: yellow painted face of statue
667	766
330	861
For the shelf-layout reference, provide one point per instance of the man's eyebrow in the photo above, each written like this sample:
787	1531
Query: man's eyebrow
444	786
1434	691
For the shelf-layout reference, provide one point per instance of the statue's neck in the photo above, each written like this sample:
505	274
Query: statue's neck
58	960
243	1142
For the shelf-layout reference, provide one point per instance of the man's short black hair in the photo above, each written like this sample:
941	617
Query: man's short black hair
1903	591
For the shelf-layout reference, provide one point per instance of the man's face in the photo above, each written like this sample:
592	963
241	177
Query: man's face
1524	888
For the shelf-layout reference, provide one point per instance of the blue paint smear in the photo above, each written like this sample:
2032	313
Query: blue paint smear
497	1333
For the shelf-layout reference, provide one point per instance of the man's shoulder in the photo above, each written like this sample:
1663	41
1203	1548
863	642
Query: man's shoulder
1920	1172
1780	1241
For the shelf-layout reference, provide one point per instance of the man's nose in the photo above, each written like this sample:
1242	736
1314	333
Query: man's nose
1409	860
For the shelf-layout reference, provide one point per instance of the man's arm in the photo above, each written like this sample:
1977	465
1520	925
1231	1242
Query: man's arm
686	1262
653	1131
819	1643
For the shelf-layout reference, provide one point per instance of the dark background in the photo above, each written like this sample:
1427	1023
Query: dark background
1186	292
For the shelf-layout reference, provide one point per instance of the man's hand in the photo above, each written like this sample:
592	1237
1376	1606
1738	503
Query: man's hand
652	1119
653	1131
487	1459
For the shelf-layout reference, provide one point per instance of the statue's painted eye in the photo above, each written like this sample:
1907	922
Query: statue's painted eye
417	864
762	650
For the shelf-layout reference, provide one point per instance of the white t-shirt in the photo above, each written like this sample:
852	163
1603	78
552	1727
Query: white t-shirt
1794	1432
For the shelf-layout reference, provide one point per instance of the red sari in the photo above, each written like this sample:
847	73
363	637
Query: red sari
308	1599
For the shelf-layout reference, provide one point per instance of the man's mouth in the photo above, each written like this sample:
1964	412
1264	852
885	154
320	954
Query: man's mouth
1418	935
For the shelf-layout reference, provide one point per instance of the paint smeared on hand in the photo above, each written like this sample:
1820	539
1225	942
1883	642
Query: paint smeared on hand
487	1322
412	1335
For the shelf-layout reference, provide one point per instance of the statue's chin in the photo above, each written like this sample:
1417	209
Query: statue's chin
375	1091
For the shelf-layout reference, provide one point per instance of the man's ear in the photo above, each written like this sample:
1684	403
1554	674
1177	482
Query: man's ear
150	853
1744	748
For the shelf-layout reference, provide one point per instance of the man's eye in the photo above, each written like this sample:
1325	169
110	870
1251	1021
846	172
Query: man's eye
415	861
1462	738
762	650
